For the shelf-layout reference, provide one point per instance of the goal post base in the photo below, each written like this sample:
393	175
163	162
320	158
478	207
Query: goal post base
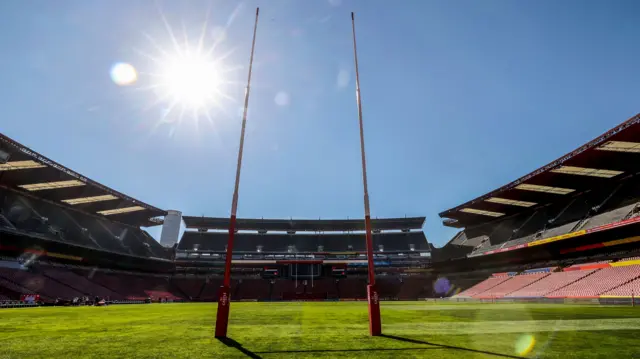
222	317
375	325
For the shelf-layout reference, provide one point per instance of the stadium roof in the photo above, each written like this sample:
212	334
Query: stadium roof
26	171
609	157
312	225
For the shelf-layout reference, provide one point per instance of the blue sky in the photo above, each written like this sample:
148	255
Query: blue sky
459	97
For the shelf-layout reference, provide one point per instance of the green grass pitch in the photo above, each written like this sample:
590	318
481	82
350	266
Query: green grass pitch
323	330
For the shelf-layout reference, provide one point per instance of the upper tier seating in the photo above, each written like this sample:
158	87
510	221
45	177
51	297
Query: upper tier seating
586	210
248	242
60	224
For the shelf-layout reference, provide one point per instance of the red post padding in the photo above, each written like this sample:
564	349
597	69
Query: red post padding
222	318
375	325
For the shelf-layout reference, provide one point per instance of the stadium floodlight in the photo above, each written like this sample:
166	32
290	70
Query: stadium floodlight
583	171
482	212
20	165
620	146
120	210
82	200
51	185
511	202
544	189
375	325
224	294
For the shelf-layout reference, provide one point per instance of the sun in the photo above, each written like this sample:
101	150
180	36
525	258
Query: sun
191	80
189	77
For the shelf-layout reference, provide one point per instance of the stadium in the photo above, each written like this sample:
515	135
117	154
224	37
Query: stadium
546	266
560	242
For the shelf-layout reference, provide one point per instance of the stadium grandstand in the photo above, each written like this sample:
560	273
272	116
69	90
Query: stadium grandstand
583	206
566	230
308	258
64	236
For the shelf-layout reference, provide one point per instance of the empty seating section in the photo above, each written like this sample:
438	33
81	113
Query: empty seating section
190	287
7	285
579	207
281	287
628	289
388	287
252	289
37	283
511	285
355	288
325	285
211	288
248	242
503	231
627	195
60	282
460	238
609	217
530	226
599	282
584	211
156	249
162	294
80	283
413	288
559	230
476	242
483	286
133	287
550	283
453	286
60	224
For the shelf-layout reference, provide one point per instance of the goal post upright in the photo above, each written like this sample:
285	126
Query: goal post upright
375	325
224	293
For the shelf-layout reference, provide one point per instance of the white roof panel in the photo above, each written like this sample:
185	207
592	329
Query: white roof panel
482	212
52	185
74	201
620	146
20	165
120	210
583	171
511	202
545	189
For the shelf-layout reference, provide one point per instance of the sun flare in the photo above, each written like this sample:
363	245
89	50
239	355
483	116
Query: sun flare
189	76
192	81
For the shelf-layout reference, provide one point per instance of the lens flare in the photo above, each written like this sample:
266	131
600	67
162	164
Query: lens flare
123	74
442	286
188	76
524	345
281	99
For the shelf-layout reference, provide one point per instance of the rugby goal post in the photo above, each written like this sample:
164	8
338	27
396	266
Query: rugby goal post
224	294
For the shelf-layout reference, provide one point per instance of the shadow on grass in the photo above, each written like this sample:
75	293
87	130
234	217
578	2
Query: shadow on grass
432	346
234	344
342	350
450	347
